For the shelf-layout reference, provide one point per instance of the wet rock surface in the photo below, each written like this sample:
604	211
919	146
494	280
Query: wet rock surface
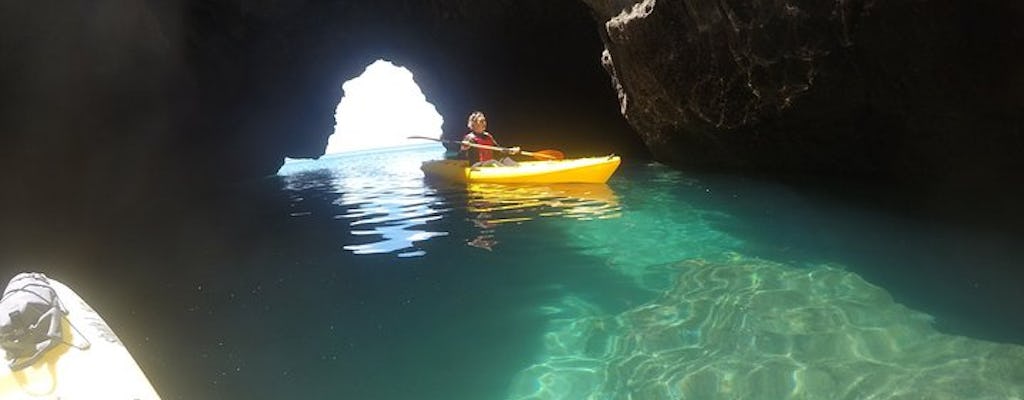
923	93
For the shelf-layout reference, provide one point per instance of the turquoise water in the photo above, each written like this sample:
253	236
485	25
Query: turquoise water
654	286
351	277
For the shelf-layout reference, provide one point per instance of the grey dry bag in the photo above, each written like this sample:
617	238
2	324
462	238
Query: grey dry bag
30	319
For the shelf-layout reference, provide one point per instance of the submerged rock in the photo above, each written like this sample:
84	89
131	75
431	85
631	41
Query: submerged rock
739	327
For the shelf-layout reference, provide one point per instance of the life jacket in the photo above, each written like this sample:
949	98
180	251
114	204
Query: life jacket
481	154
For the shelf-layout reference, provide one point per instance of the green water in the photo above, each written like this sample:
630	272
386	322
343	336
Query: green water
664	285
351	277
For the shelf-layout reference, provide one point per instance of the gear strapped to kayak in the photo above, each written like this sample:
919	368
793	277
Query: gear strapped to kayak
58	347
30	319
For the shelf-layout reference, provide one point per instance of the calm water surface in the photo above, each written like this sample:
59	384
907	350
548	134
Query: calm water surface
351	277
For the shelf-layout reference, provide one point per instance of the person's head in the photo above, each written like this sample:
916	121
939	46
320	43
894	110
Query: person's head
477	122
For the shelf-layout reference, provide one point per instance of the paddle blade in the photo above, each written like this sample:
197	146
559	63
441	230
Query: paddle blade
548	155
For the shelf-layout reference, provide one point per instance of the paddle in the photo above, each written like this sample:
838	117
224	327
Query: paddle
539	154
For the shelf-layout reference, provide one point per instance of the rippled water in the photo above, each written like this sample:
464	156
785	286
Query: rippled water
661	285
351	277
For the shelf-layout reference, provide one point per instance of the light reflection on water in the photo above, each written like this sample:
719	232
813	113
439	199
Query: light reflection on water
491	205
719	316
392	216
385	200
517	203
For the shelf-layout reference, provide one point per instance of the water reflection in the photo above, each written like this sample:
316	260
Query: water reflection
491	205
379	194
497	203
390	207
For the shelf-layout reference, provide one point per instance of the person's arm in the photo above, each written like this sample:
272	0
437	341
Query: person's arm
511	150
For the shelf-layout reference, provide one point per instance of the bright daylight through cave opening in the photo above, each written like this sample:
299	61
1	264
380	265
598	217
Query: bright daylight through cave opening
381	108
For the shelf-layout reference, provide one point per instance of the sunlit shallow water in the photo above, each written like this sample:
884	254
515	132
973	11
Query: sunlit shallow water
352	277
638	291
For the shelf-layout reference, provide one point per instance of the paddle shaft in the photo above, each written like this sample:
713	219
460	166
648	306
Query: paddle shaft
484	146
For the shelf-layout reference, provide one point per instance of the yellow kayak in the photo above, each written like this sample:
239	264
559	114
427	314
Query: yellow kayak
577	170
90	363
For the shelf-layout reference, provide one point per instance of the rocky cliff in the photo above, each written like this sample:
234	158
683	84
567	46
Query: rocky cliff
924	93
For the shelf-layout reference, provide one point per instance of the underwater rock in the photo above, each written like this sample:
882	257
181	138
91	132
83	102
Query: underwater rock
743	327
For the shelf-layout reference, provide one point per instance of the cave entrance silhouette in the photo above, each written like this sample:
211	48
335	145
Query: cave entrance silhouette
381	108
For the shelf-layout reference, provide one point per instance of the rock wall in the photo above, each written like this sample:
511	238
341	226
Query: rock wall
927	93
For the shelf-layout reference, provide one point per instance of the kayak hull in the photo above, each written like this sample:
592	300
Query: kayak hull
578	170
93	364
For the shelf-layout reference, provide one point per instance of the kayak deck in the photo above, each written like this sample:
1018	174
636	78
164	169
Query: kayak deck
578	170
92	364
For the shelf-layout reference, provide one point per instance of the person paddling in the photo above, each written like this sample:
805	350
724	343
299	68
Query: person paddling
477	123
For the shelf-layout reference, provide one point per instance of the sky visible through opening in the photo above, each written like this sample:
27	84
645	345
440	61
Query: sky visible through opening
382	108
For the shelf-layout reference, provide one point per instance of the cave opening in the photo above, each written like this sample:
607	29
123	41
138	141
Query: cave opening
381	108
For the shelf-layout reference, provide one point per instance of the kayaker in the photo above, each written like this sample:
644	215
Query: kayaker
477	124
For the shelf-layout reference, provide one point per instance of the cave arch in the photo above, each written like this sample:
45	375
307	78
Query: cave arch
202	92
534	67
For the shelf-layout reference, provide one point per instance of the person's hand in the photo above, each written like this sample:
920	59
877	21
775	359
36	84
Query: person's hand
513	150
